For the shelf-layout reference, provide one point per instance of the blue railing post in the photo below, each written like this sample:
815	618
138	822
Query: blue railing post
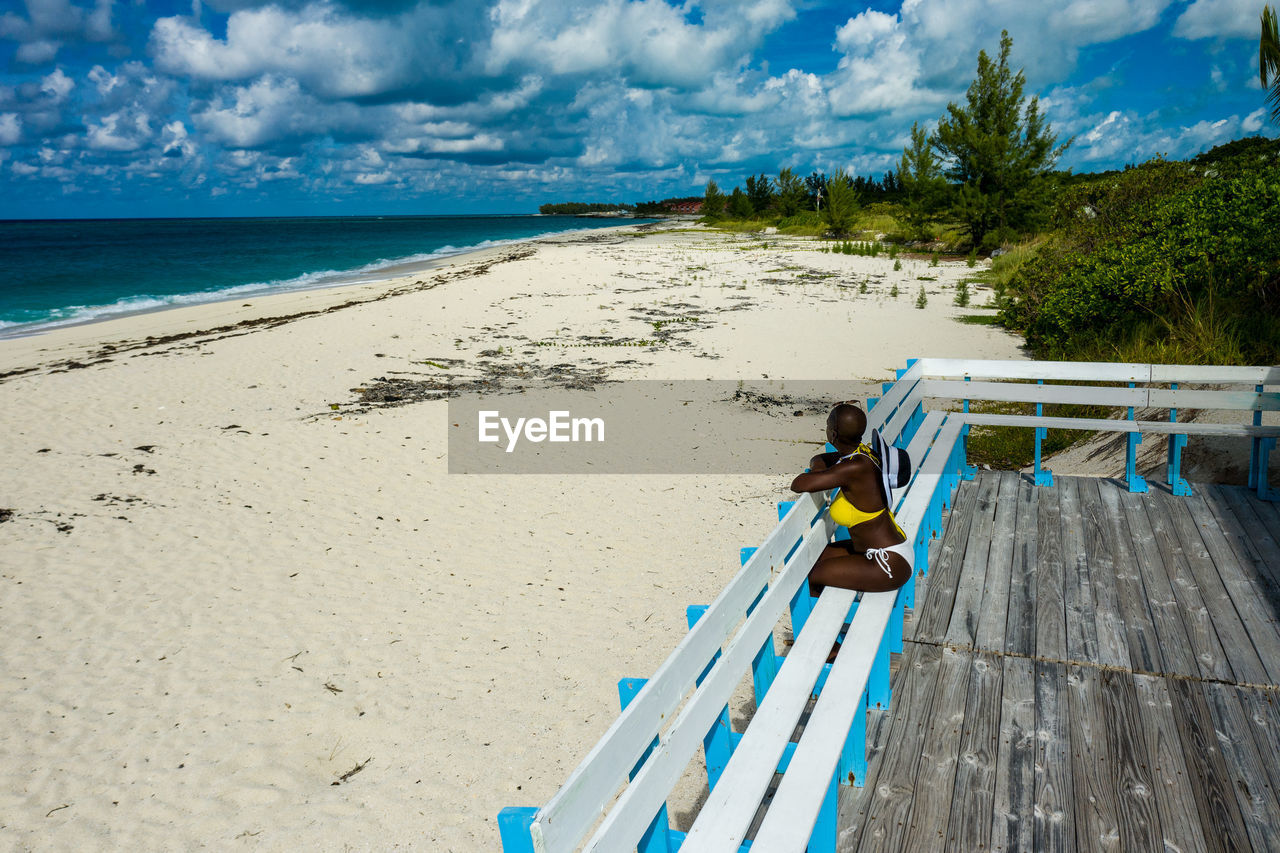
514	824
1044	477
823	839
718	742
878	690
764	666
1173	468
655	838
1137	485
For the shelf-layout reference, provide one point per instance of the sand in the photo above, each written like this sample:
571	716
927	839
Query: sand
247	607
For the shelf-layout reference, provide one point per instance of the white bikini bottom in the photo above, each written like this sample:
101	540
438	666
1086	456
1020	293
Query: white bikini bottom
905	550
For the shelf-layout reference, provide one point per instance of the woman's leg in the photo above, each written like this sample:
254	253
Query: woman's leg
843	566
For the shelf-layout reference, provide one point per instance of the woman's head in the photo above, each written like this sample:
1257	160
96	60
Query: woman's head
845	426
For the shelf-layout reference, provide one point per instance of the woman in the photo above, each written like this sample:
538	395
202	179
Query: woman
876	557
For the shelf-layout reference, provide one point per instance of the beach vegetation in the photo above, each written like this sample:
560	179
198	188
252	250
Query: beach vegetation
893	291
862	288
921	298
739	205
897	265
713	201
789	193
842	204
962	293
1167	260
998	151
760	193
923	187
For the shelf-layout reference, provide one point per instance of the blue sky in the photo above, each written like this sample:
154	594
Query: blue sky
297	107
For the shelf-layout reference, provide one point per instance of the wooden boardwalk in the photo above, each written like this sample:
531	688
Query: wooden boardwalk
1085	669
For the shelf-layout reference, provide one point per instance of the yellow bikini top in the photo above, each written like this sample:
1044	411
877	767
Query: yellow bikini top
845	513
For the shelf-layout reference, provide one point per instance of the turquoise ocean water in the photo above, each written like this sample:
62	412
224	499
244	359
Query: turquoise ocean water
56	272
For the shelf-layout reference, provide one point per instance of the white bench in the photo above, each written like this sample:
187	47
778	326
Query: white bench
615	799
937	382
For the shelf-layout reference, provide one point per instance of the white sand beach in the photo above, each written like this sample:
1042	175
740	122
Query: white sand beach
247	607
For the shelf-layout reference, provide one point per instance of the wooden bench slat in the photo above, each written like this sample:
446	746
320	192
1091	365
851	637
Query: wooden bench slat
1025	393
1181	398
1109	425
1203	373
1070	371
567	816
889	403
627	820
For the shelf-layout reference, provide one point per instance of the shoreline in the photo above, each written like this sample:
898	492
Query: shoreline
377	272
222	315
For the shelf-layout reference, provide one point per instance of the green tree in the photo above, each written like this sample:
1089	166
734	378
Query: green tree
790	192
740	205
713	201
760	192
840	205
1269	60
997	152
920	182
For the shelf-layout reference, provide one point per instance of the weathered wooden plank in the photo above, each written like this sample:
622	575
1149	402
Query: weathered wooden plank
1221	612
936	610
889	807
1097	824
1051	611
1113	644
1144	649
993	615
1020	627
1252	783
1255	600
1258	537
1131	772
1266	511
1054	828
1175	647
855	801
1012	826
939	753
1201	632
1179	820
973	800
973	568
1262	713
1211	784
1077	594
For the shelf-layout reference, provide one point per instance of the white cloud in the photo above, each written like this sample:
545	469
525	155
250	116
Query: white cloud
57	86
269	110
24	169
120	131
38	52
1253	121
10	128
648	42
1219	19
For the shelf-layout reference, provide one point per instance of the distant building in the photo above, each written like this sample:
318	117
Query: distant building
685	207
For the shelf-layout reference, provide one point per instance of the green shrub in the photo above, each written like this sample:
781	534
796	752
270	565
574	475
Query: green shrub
921	299
894	290
1166	252
962	293
897	266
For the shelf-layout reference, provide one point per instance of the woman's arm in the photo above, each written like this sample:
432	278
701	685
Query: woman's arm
818	481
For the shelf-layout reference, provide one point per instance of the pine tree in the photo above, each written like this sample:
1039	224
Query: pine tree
997	151
921	182
841	204
713	201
